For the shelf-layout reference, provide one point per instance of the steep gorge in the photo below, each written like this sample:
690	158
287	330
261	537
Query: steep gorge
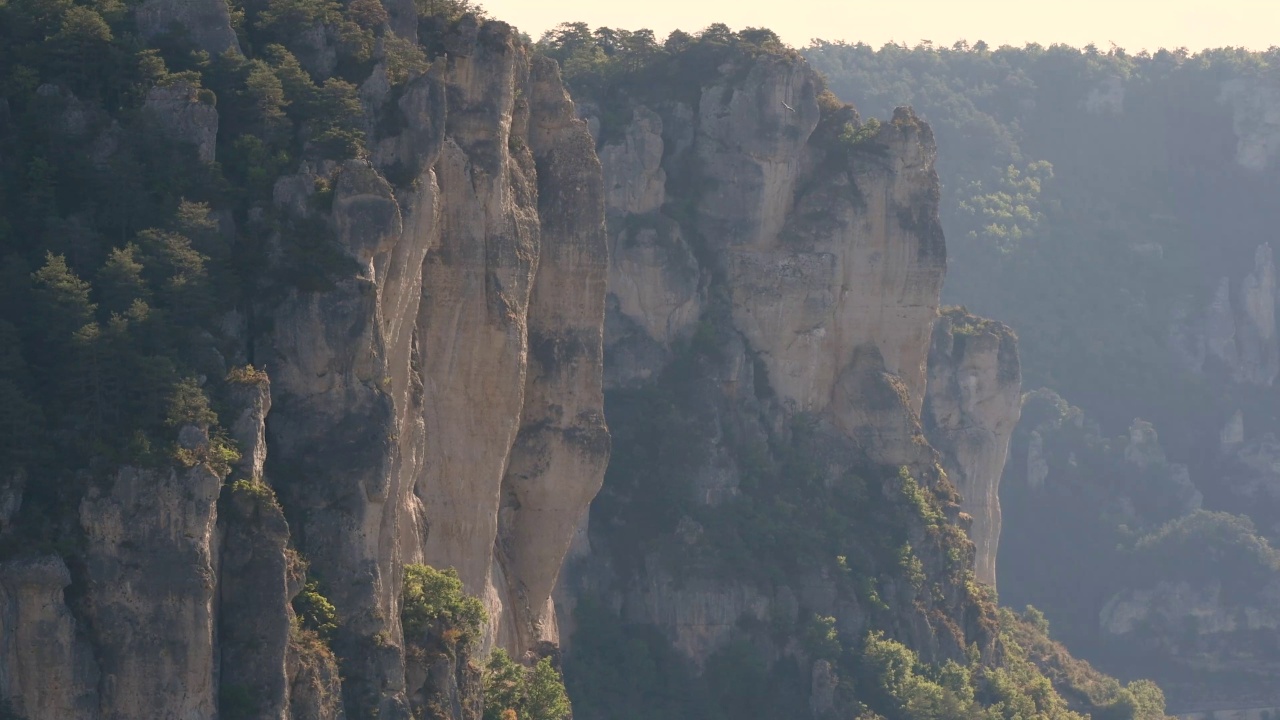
419	371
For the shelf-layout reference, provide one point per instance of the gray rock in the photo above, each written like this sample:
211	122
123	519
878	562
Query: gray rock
973	402
185	117
47	668
207	22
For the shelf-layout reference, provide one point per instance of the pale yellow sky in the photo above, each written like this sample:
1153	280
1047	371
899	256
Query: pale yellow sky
1132	24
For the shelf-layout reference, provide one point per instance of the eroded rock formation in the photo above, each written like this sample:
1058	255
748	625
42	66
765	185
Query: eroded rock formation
443	405
434	396
974	401
778	285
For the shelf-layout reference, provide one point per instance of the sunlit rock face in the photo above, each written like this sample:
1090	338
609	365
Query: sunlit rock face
444	404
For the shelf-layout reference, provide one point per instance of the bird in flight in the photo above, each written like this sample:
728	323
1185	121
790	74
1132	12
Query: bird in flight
785	105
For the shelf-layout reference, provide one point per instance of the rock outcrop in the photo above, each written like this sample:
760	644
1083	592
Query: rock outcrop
973	402
207	23
816	264
1236	333
776	287
1255	107
47	666
436	317
1175	604
431	318
185	117
443	403
151	591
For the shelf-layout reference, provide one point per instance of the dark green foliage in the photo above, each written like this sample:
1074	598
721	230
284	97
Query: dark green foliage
435	609
620	671
116	245
448	10
535	693
614	67
1206	547
314	612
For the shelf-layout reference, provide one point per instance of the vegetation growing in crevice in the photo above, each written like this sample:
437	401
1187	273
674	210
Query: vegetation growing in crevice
313	611
514	690
435	609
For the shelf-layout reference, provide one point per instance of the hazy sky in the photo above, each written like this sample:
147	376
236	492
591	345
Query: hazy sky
1132	24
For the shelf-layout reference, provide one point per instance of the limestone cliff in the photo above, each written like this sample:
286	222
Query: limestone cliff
415	377
973	402
774	278
442	404
414	371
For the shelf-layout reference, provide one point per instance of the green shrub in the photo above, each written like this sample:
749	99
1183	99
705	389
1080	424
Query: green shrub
314	612
433	605
535	693
247	375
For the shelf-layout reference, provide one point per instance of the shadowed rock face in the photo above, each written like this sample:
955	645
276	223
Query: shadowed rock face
973	402
813	267
151	582
47	667
206	22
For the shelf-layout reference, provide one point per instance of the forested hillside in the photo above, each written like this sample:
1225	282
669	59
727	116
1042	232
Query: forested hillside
1115	210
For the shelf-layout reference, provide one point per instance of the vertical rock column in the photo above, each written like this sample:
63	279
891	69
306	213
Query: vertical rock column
344	441
972	404
472	323
560	454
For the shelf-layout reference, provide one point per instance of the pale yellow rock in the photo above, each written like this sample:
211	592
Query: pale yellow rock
861	263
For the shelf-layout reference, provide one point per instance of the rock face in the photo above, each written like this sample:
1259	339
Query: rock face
443	403
1174	603
973	402
1172	480
774	286
432	317
815	267
151	591
1211	629
435	396
1237	330
206	22
1256	118
47	668
185	118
